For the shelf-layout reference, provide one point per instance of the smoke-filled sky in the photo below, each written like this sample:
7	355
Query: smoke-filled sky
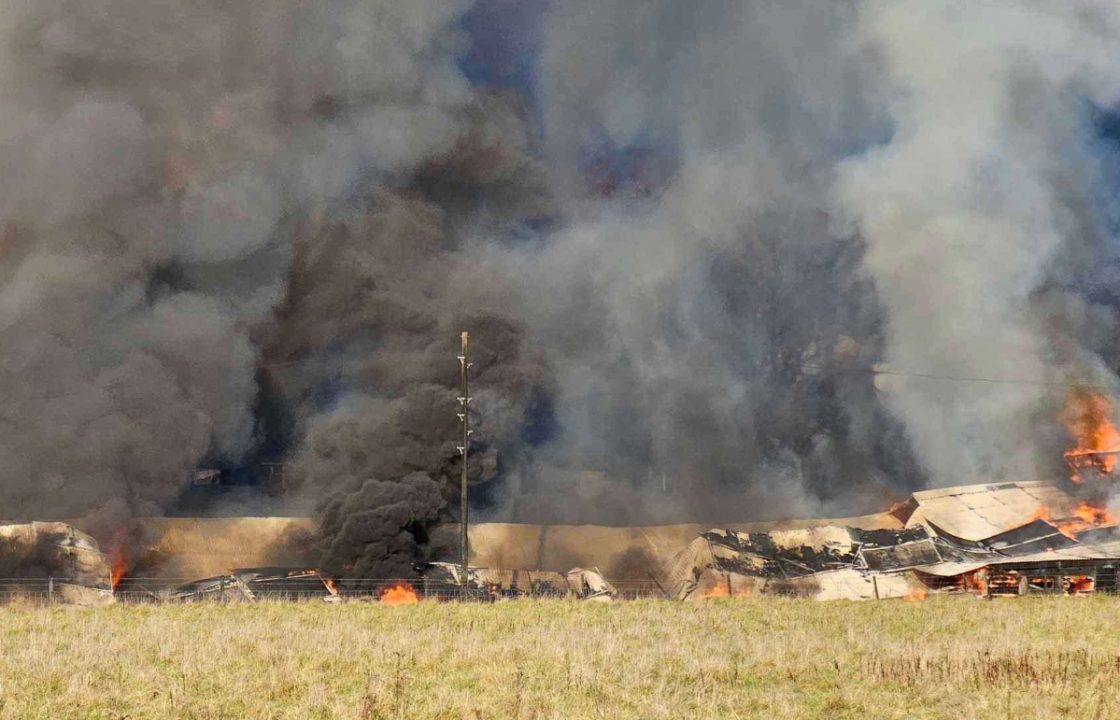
683	237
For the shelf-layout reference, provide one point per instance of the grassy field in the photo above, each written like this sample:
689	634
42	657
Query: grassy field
943	658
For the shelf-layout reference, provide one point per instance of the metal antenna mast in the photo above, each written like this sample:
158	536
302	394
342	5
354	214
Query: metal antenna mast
464	416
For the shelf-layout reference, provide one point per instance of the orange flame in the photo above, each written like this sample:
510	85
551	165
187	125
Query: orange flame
717	591
116	572
399	594
723	590
118	559
1083	517
1040	513
1094	515
976	580
1087	416
1078	585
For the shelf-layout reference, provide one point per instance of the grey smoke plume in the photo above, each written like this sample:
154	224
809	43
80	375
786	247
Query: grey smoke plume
193	188
160	159
687	311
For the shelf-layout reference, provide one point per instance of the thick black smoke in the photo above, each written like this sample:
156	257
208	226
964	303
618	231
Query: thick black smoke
194	188
363	346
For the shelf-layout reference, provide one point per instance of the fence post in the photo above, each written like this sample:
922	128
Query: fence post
50	590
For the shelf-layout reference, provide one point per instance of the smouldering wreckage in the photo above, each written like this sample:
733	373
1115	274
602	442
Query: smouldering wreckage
250	584
57	562
993	540
439	580
583	583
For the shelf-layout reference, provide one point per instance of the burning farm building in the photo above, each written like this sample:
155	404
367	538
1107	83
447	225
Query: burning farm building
258	250
994	539
1087	417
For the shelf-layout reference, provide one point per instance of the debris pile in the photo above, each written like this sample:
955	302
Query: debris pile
587	584
251	584
1002	539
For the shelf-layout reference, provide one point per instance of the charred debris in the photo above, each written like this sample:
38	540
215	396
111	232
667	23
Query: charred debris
993	540
586	584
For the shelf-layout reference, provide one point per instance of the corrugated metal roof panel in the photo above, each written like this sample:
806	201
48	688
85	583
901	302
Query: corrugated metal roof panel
980	511
977	501
924	495
1047	494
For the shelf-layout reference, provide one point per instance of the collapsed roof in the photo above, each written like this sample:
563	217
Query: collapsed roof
949	533
251	584
974	512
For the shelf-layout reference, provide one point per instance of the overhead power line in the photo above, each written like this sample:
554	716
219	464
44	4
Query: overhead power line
947	378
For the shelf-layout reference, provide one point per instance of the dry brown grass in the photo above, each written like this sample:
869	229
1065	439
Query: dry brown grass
944	658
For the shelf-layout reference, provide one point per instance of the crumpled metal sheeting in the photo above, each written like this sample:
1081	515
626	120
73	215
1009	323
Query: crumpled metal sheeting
582	582
950	532
589	584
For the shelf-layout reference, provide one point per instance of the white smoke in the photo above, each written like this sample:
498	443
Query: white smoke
986	178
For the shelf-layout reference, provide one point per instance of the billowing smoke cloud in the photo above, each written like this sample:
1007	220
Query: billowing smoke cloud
681	236
365	346
872	184
986	182
692	303
163	165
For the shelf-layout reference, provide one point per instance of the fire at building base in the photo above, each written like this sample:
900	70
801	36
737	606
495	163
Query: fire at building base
993	540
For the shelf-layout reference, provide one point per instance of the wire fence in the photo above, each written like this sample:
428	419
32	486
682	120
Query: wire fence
292	589
1040	579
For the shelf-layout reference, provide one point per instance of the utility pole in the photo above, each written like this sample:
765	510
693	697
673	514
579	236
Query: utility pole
464	416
